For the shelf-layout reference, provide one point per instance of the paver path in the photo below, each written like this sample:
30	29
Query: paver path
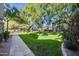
5	48
18	47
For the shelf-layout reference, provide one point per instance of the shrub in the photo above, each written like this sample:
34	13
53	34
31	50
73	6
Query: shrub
50	30
71	35
6	35
1	37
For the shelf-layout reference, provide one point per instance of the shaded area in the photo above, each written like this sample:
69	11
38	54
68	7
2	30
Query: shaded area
5	47
42	47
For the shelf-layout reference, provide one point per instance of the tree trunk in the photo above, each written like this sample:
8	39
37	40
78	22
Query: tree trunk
29	28
7	24
52	26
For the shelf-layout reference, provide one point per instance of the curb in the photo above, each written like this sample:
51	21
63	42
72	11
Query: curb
63	50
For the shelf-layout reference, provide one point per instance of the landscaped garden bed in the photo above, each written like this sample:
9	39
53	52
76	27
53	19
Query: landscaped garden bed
44	43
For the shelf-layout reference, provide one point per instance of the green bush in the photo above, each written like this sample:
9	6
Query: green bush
1	37
6	35
71	35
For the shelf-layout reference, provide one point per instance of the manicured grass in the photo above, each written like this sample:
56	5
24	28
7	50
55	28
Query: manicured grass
43	44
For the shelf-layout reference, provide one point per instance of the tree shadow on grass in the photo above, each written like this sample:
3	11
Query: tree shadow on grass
33	35
54	33
42	47
44	34
46	48
48	33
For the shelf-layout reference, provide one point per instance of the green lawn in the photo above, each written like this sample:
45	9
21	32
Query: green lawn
43	44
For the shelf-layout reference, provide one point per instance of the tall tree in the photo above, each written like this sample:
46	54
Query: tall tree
71	34
36	12
10	13
33	14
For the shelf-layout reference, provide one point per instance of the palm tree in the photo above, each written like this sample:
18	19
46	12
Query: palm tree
10	13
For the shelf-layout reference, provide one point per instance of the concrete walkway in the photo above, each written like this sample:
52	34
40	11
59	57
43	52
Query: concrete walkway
19	48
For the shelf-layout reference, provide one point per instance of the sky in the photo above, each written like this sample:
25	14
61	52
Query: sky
18	5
